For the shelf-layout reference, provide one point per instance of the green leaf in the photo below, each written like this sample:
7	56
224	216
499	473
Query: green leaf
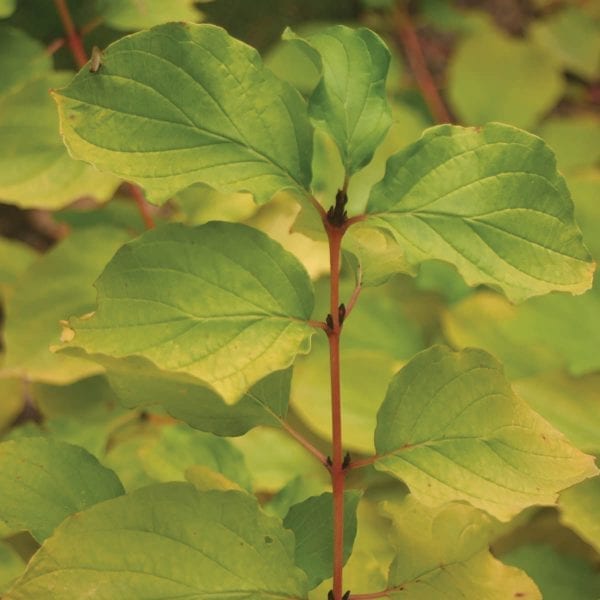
291	63
368	565
44	481
276	219
172	542
452	429
7	7
312	523
574	140
489	201
180	447
573	39
443	553
87	398
378	255
272	456
35	169
293	492
493	77
542	334
204	479
138	383
579	510
21	58
187	104
365	373
129	15
349	101
221	302
15	258
201	204
559	576
65	276
11	566
570	404
586	189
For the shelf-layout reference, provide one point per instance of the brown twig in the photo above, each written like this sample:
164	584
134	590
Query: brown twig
409	40
55	45
142	204
73	38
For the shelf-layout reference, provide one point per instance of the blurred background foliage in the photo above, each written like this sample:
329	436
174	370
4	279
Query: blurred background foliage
530	63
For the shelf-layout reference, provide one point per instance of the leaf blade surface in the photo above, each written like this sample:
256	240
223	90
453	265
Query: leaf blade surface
221	302
187	103
452	428
489	201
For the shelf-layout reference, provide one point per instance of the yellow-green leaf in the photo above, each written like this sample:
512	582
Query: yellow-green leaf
186	104
451	427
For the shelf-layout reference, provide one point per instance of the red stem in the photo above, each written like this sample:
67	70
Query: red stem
73	38
337	470
414	53
142	205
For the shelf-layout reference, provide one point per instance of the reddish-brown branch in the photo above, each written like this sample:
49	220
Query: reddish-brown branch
355	219
337	469
364	462
73	38
409	40
142	205
55	45
305	444
318	325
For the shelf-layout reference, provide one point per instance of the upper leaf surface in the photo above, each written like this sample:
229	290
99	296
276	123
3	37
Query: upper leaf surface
541	334
491	202
221	302
65	274
167	541
44	481
573	37
35	169
451	427
496	77
443	553
349	101
18	50
183	103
